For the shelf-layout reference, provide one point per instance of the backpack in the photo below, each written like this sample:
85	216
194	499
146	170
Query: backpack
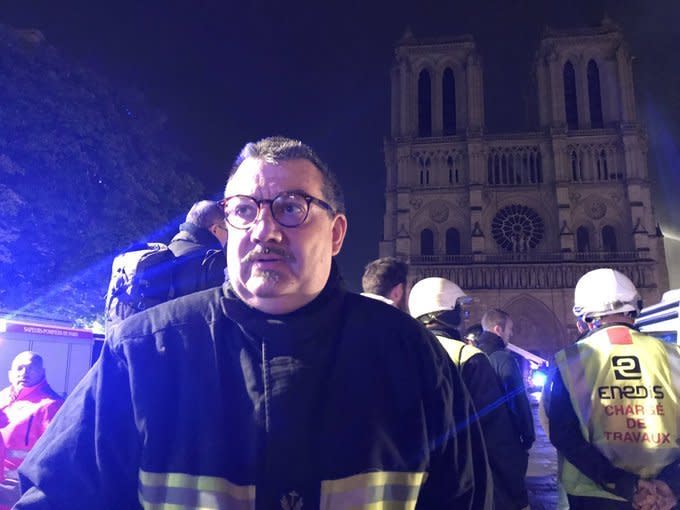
140	278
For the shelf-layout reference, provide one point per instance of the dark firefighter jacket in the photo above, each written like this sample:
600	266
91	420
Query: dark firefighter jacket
200	260
507	458
512	384
204	402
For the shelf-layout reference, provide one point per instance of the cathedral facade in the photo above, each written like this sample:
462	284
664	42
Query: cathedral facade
515	219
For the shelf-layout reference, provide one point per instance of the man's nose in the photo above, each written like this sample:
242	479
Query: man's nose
265	227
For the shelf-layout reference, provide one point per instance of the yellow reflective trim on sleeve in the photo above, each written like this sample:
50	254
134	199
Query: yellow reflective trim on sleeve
168	506
380	490
175	491
387	505
375	478
203	483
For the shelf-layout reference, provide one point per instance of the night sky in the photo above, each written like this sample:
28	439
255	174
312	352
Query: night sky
228	72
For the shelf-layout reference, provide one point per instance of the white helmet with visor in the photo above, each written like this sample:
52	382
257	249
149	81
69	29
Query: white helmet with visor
432	295
605	292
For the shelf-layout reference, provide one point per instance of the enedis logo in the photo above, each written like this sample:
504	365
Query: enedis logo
627	368
629	418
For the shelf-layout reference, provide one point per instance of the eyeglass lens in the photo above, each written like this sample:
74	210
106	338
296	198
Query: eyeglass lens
289	209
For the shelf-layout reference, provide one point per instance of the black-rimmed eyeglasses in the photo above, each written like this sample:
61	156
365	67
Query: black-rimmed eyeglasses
289	209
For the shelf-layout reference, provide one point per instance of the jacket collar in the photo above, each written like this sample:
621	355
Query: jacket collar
28	390
190	232
440	330
609	325
320	316
490	342
378	297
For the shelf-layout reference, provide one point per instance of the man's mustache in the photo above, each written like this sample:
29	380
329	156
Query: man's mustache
259	251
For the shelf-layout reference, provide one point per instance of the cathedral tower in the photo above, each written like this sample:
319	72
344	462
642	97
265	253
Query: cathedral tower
515	219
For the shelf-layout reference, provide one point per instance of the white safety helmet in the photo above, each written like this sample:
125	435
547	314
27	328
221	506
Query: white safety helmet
432	295
605	292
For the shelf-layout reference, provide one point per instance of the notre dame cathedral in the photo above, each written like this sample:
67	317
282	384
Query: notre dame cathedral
515	219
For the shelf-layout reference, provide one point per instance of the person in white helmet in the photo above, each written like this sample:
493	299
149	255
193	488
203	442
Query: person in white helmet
613	409
437	303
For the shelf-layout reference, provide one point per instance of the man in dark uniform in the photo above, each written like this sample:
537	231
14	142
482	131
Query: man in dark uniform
280	389
198	246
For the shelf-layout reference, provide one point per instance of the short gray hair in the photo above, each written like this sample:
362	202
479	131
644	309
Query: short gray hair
278	148
495	317
205	214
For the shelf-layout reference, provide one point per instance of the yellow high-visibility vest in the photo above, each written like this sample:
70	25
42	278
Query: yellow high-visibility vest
458	351
624	387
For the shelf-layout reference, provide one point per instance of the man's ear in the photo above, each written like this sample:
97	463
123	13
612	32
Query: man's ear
498	331
338	231
396	293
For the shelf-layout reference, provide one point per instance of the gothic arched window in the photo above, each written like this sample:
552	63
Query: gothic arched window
594	97
602	171
454	175
449	102
424	170
452	242
608	239
426	242
424	104
570	104
576	173
582	239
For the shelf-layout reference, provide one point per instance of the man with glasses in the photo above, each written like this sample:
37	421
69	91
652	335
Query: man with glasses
280	390
198	247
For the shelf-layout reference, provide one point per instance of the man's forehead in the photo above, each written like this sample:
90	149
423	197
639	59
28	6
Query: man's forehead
258	177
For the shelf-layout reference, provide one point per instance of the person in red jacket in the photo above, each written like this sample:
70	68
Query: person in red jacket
27	406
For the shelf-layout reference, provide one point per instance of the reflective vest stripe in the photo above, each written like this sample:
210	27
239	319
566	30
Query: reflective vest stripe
13	459
382	490
15	454
166	491
576	374
673	353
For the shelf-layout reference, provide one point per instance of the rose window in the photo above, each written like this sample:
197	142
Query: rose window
517	228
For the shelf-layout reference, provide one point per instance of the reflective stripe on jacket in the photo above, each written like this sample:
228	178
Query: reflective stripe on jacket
204	402
381	489
624	388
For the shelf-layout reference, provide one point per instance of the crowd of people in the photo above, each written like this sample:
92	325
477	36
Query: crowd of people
280	389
